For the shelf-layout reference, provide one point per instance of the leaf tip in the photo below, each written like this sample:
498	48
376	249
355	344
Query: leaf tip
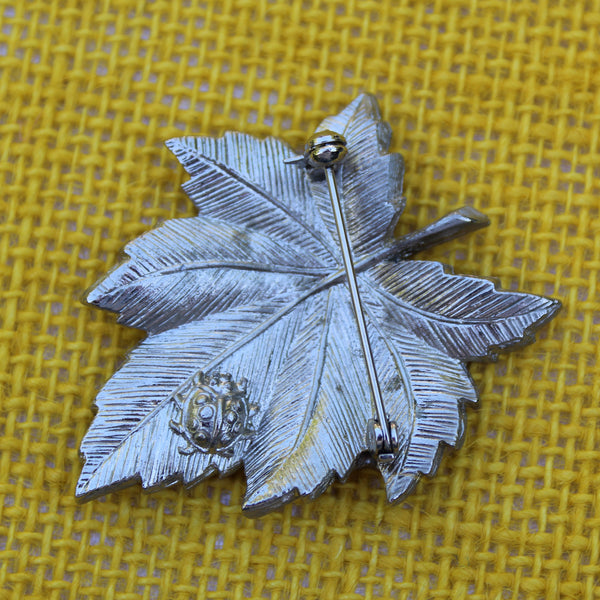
548	309
173	144
554	307
263	501
92	296
367	100
83	493
186	151
400	487
471	216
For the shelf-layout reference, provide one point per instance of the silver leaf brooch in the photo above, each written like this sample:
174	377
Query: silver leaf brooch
287	332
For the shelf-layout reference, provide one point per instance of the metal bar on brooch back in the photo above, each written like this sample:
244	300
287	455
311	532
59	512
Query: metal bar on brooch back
327	150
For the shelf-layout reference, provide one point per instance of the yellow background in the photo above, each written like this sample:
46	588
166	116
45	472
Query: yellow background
494	103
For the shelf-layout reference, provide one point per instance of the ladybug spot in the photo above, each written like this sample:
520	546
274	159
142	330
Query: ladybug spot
230	417
206	413
201	435
200	399
235	405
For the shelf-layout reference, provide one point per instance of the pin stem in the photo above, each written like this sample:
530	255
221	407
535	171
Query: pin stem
334	196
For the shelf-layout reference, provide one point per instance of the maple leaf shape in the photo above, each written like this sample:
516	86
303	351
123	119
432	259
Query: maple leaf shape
253	290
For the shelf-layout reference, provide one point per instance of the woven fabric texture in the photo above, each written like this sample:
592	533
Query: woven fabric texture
495	104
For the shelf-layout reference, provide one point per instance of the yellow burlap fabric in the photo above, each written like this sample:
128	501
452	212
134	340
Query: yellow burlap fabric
494	103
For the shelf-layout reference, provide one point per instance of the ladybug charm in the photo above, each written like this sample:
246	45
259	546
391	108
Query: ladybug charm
214	414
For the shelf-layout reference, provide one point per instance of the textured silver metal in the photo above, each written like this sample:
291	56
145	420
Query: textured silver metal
255	289
215	414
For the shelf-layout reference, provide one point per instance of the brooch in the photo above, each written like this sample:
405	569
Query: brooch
287	332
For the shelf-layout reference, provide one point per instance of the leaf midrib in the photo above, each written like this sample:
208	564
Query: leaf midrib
435	317
186	267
